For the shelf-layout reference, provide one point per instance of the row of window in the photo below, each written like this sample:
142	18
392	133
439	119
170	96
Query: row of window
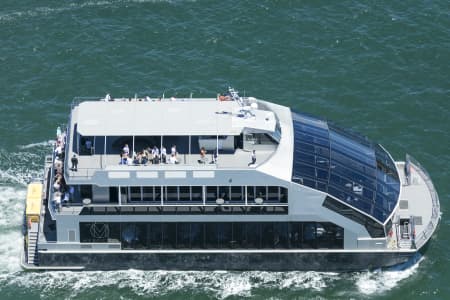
212	193
186	210
215	235
196	194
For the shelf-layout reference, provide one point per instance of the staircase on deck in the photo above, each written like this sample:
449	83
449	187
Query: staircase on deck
32	254
406	237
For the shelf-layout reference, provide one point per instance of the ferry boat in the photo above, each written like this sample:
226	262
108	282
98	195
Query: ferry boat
229	182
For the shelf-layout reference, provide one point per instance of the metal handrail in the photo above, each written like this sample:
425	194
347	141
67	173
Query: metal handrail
78	100
51	208
435	212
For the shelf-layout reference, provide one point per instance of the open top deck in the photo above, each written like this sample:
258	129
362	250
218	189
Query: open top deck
203	133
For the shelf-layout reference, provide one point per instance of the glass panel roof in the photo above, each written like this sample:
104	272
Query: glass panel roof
345	165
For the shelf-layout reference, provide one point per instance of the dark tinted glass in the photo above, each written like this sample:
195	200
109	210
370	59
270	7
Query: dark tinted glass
345	165
215	235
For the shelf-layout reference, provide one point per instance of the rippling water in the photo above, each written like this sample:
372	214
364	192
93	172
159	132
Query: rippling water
381	69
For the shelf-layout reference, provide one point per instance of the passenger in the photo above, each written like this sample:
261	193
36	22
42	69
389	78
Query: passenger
57	186
163	154
173	150
137	159
148	154
214	158
126	150
155	151
58	132
253	158
58	150
155	155
202	159
58	166
71	193
63	138
57	200
88	145
144	157
173	159
74	161
66	198
123	159
58	177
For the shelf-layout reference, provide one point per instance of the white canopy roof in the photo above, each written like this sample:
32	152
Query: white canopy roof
190	117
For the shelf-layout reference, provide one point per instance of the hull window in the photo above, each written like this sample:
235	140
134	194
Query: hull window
215	235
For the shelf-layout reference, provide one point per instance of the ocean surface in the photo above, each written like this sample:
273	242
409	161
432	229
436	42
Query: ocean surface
378	67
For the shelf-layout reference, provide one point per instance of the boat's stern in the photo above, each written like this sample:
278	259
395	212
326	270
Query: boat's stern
32	219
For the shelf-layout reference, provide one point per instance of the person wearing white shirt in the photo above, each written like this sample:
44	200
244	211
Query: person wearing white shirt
163	154
173	159
155	151
58	150
126	149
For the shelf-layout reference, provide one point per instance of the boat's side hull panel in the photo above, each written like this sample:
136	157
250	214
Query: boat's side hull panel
318	261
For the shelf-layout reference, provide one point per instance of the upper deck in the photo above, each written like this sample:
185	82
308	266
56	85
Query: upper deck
206	133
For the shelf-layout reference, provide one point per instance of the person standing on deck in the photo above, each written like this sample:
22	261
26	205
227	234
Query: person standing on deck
74	161
253	158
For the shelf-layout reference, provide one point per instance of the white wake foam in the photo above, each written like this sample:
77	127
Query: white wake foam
380	281
46	144
159	283
19	167
11	206
219	284
44	11
11	213
11	244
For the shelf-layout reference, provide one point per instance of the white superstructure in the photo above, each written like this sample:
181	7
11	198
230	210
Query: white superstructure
240	177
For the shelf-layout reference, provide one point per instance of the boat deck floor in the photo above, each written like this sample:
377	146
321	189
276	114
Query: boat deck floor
240	159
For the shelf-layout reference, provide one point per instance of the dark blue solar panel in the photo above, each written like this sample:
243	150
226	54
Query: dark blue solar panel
345	165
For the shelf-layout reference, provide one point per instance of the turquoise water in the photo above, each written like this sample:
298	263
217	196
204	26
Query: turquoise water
379	68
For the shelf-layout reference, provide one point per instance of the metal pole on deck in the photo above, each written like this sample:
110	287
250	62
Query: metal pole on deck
120	195
104	151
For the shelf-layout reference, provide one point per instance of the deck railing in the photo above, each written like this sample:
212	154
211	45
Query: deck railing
78	100
436	212
50	201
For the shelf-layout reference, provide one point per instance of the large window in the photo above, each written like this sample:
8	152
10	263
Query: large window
344	165
374	228
216	235
191	194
